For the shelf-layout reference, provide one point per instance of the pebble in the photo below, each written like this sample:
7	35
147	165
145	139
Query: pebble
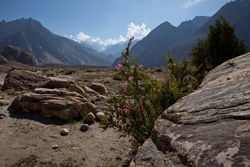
54	146
90	118
2	115
64	132
100	116
84	127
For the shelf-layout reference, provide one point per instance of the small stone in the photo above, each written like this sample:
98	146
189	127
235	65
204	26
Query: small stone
89	119
84	127
100	116
64	132
4	102
54	146
2	115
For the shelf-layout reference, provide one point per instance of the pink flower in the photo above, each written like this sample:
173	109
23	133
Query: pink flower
174	64
125	51
127	61
117	68
141	67
120	118
130	78
119	65
117	104
121	123
132	67
127	108
147	102
133	38
125	83
121	112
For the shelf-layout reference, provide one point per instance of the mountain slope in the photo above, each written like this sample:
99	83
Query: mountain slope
151	49
180	40
237	13
49	48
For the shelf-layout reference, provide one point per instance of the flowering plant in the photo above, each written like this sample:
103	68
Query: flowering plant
142	99
132	111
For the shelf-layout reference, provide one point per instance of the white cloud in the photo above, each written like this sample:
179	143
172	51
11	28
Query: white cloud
82	37
138	31
192	3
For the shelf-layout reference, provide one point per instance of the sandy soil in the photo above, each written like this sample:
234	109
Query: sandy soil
22	135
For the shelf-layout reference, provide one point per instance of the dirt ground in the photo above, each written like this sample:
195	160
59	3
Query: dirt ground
23	135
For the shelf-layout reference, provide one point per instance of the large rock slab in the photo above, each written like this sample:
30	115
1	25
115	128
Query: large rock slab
28	80
211	126
54	82
23	80
54	103
17	54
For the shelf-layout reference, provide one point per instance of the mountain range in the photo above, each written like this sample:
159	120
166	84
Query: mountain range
166	38
46	46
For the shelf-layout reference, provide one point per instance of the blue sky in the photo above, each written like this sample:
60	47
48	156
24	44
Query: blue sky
106	20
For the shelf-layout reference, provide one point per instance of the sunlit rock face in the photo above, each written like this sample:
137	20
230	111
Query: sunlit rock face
209	127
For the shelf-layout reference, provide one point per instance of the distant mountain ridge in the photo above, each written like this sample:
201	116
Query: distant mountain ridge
151	49
179	40
48	48
236	12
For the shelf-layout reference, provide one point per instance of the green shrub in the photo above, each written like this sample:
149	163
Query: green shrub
221	45
142	99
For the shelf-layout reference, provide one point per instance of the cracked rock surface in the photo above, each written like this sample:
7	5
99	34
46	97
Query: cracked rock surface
208	128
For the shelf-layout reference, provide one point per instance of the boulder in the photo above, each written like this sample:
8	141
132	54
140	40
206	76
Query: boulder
98	87
89	90
209	127
19	55
53	82
28	80
76	88
3	60
54	103
22	80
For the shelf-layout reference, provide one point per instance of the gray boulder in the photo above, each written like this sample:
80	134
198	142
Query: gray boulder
51	103
22	80
28	80
211	126
53	82
98	87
